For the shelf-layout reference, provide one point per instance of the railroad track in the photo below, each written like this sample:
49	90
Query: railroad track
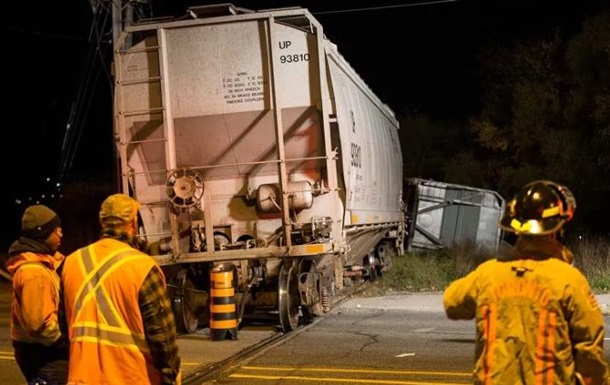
212	371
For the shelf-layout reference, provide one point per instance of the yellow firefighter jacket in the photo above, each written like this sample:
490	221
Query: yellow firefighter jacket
537	322
107	342
35	297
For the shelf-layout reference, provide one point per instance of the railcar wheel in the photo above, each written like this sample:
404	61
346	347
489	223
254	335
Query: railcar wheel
310	292
288	298
372	268
184	303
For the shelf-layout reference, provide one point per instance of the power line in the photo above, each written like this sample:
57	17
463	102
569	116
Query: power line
384	7
94	65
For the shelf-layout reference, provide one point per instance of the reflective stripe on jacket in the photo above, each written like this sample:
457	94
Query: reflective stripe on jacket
537	323
107	344
35	298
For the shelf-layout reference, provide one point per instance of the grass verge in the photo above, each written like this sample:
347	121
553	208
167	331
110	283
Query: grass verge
434	270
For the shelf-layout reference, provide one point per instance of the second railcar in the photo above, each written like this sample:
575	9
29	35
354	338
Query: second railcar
255	148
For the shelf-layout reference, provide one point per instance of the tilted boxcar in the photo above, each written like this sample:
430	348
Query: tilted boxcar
255	149
444	215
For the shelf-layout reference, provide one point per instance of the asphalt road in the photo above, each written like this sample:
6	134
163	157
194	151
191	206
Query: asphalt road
401	339
395	339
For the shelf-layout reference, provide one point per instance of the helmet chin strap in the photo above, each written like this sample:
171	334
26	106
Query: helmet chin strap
559	234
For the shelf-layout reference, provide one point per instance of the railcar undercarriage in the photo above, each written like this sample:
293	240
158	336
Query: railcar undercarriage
294	278
294	289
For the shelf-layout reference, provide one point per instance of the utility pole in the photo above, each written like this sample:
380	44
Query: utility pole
117	20
124	13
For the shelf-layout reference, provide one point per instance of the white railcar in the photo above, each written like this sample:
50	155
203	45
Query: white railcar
254	146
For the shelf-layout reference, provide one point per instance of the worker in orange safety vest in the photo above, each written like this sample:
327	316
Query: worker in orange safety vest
118	313
41	350
537	321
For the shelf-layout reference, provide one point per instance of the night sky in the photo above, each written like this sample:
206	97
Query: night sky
416	56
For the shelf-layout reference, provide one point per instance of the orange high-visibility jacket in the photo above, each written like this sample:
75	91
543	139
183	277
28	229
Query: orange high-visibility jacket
35	297
537	323
107	342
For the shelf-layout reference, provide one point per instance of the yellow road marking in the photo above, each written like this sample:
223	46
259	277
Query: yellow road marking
190	363
342	380
338	370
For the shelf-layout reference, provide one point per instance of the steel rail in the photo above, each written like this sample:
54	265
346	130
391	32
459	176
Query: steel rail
213	371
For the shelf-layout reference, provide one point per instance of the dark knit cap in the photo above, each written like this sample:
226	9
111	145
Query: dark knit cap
38	222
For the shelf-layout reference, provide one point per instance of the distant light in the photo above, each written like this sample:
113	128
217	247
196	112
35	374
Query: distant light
48	179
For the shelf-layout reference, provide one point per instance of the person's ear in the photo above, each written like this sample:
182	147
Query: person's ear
133	225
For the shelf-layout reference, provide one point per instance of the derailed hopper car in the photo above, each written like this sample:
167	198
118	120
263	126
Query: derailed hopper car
255	149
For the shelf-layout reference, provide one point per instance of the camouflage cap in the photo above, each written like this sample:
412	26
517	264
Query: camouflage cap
118	209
